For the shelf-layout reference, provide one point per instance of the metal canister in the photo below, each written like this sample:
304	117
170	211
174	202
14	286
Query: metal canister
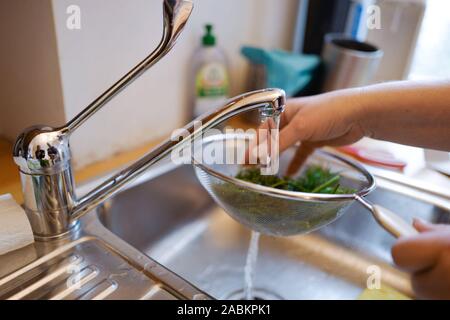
348	62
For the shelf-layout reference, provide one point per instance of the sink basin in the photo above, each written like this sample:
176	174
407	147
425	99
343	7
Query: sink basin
173	220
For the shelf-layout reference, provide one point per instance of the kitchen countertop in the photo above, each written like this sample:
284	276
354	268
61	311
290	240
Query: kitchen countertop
9	174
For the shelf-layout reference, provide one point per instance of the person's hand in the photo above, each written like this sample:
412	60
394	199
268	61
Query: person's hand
427	257
330	119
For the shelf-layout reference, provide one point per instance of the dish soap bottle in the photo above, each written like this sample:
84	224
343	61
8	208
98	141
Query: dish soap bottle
211	75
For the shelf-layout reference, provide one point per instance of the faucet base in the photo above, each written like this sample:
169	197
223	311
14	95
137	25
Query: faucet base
74	228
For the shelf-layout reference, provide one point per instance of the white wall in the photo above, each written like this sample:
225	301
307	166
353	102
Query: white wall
30	84
398	21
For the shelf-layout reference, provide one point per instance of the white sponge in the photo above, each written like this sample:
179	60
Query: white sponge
15	229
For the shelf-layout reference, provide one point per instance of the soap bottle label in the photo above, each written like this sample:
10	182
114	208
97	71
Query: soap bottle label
212	81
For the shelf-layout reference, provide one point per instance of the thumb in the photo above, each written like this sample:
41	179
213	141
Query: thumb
425	226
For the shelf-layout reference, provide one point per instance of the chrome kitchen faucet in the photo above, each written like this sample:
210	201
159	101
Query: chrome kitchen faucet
44	158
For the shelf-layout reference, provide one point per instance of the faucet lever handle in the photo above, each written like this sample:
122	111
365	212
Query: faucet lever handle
176	13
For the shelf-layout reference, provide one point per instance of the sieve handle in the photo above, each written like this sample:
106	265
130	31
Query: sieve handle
389	220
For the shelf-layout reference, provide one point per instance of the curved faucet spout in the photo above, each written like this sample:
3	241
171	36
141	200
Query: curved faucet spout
273	99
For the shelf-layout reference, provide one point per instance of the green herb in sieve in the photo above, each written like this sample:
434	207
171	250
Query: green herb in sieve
316	179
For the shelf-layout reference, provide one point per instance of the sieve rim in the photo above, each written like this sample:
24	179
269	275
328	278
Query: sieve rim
292	195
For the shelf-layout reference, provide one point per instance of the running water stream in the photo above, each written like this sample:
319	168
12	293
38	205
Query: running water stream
271	122
249	270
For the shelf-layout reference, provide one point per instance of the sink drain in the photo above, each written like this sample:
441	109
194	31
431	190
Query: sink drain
258	294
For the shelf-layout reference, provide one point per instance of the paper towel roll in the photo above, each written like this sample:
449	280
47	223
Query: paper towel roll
15	229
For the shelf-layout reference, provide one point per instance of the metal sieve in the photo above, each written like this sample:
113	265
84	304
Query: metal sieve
280	212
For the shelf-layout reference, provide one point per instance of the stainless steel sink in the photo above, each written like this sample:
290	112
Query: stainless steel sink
174	221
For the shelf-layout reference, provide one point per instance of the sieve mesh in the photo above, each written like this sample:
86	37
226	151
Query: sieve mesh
273	211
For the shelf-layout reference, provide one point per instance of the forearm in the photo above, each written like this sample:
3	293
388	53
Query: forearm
414	113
